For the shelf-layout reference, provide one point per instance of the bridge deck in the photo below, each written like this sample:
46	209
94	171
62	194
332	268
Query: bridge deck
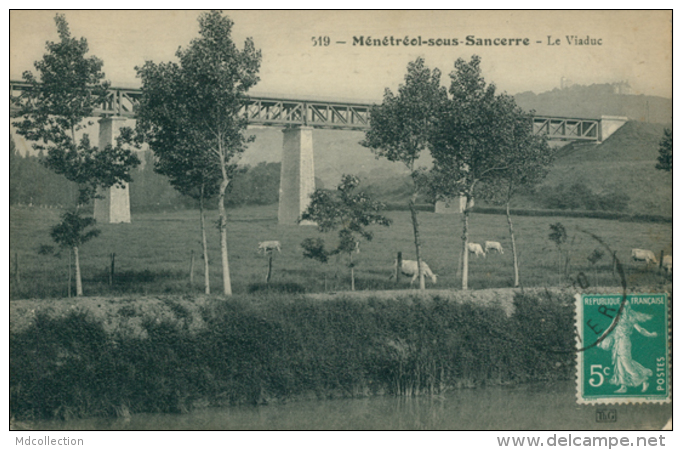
272	111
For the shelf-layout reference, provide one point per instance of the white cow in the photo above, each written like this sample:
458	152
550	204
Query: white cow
409	268
492	245
668	264
639	254
266	246
475	249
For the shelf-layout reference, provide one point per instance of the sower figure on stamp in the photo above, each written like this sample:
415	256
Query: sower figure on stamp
626	371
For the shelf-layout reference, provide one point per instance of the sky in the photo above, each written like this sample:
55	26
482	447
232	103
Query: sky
635	46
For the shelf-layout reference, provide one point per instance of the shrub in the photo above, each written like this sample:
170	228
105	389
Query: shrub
578	196
545	335
55	367
253	350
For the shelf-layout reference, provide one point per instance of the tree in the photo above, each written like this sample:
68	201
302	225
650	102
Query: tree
163	123
191	112
665	151
477	136
400	126
71	233
528	160
68	89
346	211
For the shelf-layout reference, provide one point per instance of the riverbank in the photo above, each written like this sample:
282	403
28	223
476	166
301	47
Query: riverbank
103	357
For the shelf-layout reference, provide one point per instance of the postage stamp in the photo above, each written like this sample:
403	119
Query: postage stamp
623	348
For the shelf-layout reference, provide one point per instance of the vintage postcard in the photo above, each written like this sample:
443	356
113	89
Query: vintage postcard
340	220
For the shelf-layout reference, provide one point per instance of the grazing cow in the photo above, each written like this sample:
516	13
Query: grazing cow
639	254
266	246
409	268
492	245
668	264
476	249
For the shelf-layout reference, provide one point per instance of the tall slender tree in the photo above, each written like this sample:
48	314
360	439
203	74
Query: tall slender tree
65	93
198	115
529	160
478	136
400	126
163	123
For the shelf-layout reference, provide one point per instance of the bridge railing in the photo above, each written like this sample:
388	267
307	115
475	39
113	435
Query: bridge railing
271	111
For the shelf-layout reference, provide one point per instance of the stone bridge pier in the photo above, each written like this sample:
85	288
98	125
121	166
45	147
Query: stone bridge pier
297	176
114	206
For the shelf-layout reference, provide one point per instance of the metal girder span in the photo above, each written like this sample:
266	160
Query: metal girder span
271	111
268	111
259	110
566	128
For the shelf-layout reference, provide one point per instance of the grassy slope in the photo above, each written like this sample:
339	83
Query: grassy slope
625	162
153	253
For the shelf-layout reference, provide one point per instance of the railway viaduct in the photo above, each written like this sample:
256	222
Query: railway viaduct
297	118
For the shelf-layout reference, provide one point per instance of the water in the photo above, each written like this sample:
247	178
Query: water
527	407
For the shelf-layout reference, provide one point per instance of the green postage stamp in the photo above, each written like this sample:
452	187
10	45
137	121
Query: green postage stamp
623	349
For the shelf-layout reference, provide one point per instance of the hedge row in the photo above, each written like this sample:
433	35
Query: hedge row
240	351
590	214
609	215
403	206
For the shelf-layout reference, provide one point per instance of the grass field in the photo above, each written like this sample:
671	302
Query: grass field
153	343
153	253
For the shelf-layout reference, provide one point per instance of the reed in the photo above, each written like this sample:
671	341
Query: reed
174	354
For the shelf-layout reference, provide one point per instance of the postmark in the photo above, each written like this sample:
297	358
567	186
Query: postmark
625	348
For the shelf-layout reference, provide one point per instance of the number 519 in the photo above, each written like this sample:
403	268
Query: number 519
320	41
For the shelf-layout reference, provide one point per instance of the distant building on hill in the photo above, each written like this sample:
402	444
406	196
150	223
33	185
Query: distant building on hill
622	87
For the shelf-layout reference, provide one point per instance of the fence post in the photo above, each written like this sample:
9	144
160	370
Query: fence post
16	267
399	264
191	268
267	277
68	288
111	270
